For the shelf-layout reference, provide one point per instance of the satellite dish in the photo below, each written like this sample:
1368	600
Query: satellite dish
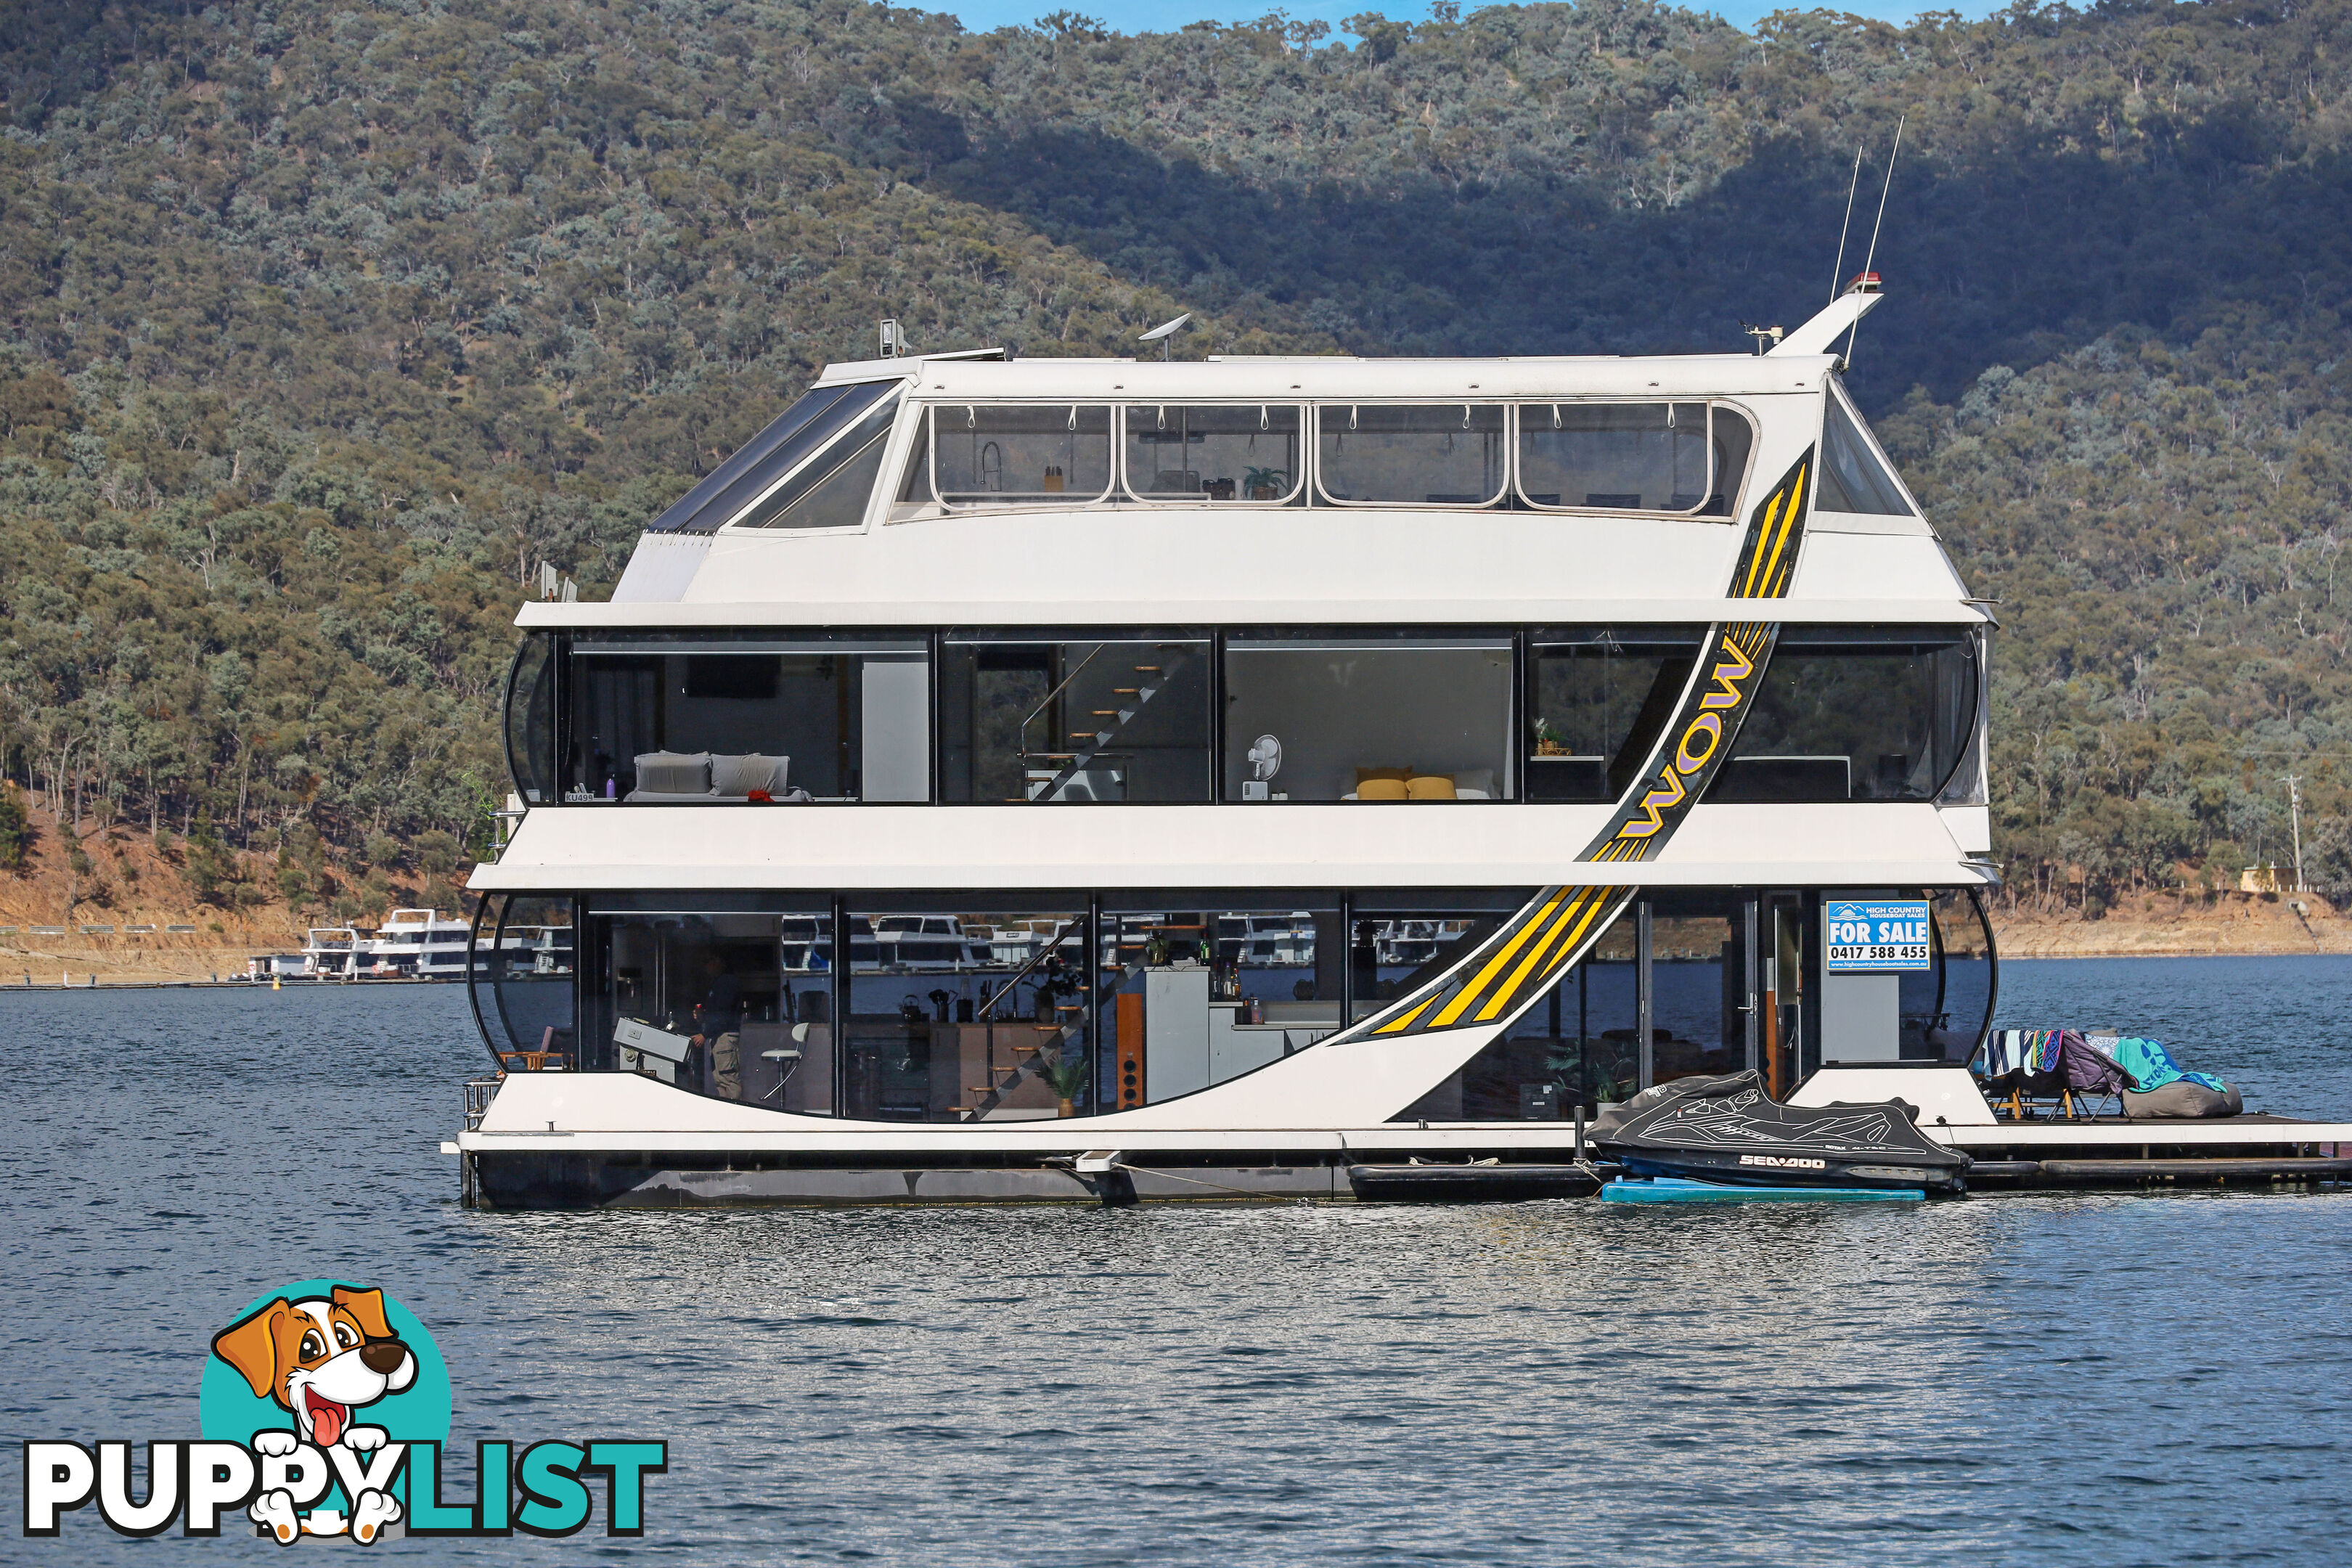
1266	756
1164	329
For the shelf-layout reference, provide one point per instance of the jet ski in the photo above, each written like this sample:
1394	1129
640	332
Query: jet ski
1726	1129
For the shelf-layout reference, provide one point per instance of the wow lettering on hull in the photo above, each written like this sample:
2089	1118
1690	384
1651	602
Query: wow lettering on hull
1565	923
324	1409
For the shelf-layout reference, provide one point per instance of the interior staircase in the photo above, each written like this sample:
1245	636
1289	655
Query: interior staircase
1151	680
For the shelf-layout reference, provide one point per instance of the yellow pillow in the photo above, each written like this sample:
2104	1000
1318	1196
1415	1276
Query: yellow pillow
1400	774
1381	789
1430	786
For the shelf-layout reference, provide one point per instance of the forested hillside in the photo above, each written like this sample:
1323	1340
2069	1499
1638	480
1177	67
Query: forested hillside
324	325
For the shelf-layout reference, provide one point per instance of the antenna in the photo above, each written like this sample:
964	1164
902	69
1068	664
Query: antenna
1163	332
2295	809
1852	186
1870	260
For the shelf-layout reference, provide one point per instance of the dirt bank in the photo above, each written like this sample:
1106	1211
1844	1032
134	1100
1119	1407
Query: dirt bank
2165	925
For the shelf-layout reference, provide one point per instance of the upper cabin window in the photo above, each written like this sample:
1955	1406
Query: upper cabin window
808	427
1368	718
1026	719
1633	456
1853	477
661	718
1430	454
831	490
1856	713
981	455
1598	697
531	717
1248	454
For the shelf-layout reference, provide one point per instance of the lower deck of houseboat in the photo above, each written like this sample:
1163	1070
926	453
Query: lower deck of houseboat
520	1164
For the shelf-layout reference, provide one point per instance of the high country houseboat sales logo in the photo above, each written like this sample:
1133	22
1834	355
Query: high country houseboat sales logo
324	1407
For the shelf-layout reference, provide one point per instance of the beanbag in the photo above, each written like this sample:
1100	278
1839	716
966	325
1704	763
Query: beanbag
2182	1097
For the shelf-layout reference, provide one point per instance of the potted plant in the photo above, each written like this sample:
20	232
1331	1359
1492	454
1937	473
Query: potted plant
1265	484
1548	741
1067	1077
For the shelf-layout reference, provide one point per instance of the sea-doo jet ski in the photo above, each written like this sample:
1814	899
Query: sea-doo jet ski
1727	1129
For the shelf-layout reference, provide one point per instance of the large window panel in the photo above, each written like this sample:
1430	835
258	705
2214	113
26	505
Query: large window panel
1597	699
1041	455
1443	454
1631	457
734	1004
1853	477
1249	455
964	1014
659	719
810	425
1311	719
1579	1042
521	974
1396	946
1082	720
1945	1010
1199	989
832	490
1856	713
530	719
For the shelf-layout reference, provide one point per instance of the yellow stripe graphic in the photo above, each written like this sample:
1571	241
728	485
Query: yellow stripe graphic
1788	526
1398	1026
1772	510
1583	918
1469	993
1535	955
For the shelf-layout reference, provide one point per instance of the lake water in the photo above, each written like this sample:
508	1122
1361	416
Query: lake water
2014	1379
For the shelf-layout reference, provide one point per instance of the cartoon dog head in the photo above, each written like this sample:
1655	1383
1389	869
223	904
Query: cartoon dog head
320	1357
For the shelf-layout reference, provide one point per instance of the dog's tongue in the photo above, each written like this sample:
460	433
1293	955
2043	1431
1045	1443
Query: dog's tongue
327	1423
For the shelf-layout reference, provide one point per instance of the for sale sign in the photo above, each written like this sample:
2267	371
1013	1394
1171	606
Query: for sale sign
1874	938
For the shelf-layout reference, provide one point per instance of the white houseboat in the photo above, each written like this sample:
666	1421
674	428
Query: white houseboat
1224	774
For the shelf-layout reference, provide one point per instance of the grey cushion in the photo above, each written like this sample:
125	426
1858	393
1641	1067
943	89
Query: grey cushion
673	773
2182	1098
741	775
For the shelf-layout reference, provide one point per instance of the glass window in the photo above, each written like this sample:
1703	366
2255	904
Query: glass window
1026	455
1856	713
735	1004
1396	946
1443	453
1596	697
1360	718
808	425
1584	1037
665	719
1852	477
531	717
1195	991
521	975
1581	1039
1947	1009
832	489
965	1014
1190	453
1698	983
1631	457
1076	721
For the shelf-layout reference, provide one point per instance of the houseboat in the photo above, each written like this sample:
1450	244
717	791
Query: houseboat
1033	779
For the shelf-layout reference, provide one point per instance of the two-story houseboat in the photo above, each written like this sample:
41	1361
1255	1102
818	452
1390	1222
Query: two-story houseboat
1004	771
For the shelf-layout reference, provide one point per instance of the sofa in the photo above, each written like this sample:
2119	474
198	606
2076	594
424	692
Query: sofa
682	778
